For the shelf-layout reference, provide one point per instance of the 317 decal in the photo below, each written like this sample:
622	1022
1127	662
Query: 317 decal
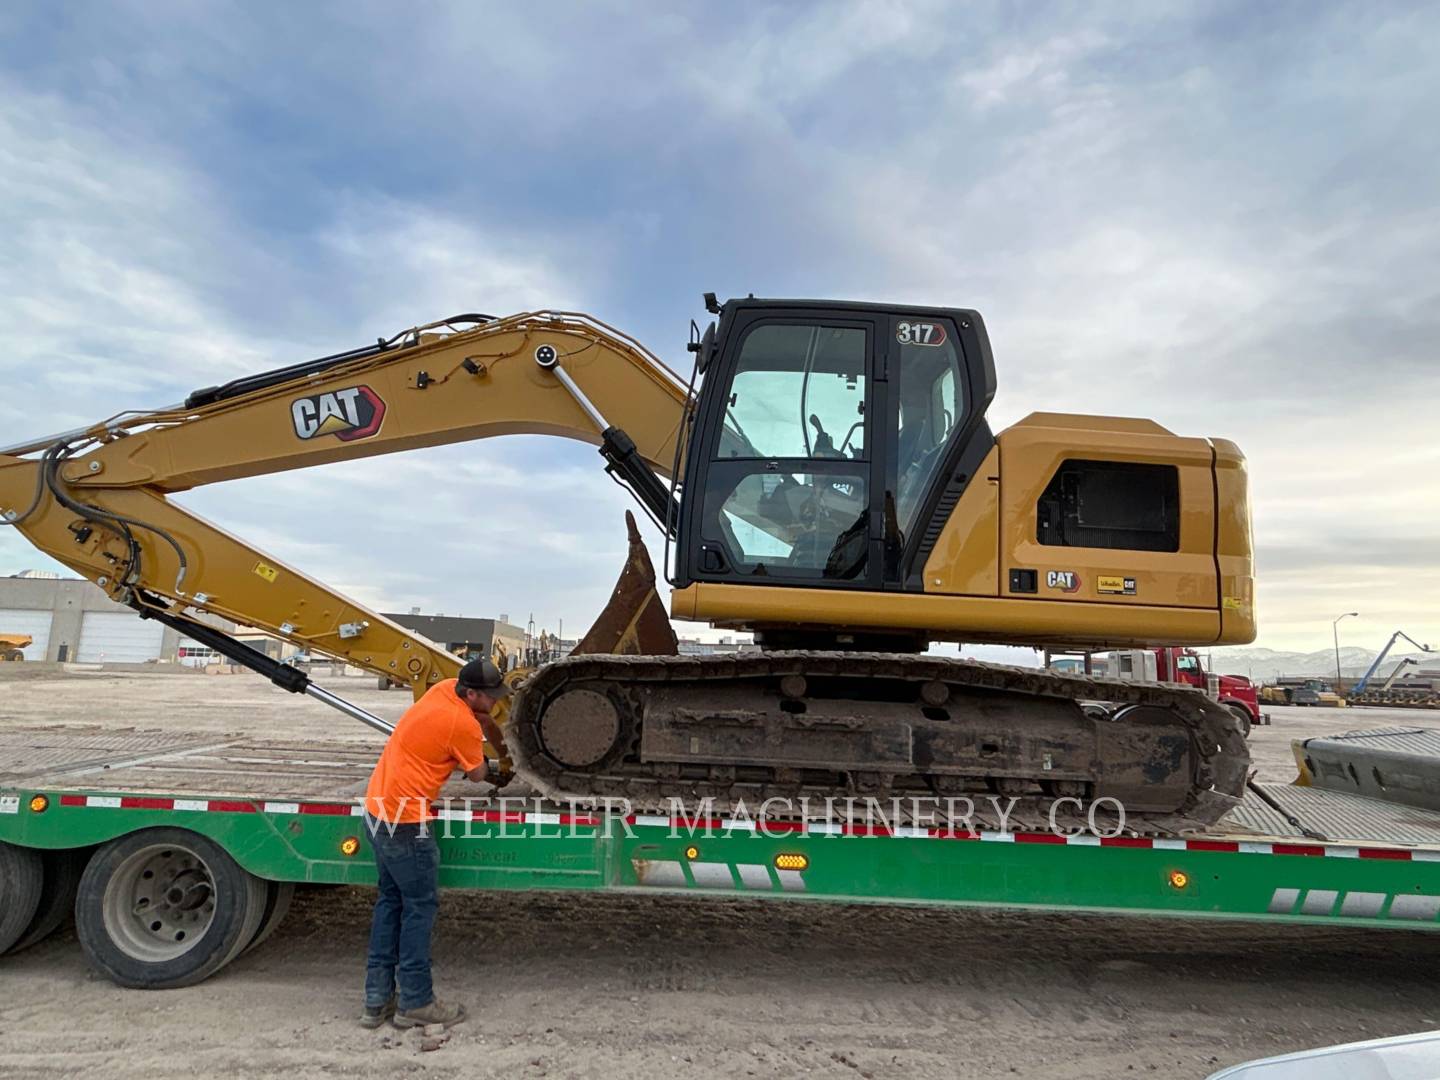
349	414
920	333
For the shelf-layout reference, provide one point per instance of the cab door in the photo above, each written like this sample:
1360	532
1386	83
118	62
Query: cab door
781	489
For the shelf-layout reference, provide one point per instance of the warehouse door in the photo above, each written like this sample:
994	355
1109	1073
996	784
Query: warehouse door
34	623
118	637
193	654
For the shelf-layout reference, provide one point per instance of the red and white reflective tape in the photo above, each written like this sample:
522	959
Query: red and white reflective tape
769	828
235	806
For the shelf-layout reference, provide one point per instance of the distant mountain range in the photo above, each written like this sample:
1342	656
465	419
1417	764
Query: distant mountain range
1263	664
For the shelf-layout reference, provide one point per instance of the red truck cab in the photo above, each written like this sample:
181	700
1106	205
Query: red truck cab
1235	691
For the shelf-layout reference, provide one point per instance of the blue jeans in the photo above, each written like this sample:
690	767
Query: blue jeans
409	866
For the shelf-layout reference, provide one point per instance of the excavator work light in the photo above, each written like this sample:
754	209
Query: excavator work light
792	862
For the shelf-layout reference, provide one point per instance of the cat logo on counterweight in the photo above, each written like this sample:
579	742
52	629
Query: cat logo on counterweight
349	414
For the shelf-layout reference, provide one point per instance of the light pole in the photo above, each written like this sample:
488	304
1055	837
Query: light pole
1335	629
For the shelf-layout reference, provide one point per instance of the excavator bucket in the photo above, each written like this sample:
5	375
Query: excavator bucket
634	622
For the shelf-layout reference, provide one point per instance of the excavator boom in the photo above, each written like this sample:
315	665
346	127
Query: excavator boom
97	500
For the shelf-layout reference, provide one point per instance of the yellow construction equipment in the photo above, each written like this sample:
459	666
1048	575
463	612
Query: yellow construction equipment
826	479
12	646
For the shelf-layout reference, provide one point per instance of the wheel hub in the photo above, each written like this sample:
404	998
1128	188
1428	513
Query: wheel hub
159	903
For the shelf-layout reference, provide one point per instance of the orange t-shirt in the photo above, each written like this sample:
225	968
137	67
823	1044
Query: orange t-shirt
436	734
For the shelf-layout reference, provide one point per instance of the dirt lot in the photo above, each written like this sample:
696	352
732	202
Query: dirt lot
617	987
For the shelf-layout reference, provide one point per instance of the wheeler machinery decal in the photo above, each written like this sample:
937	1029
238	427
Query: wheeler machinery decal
1114	585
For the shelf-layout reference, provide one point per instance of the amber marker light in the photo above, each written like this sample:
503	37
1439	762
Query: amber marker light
792	862
39	803
1179	879
692	852
350	845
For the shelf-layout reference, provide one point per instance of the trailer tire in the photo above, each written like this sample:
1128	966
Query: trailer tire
1244	716
278	895
57	895
22	879
164	908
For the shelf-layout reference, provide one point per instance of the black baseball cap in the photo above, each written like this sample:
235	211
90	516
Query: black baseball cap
484	676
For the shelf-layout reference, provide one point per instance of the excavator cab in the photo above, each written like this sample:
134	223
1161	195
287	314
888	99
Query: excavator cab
826	439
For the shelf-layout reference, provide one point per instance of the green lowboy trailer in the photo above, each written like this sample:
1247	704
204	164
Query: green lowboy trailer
178	853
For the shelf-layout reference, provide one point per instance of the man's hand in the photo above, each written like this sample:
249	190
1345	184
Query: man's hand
501	772
498	773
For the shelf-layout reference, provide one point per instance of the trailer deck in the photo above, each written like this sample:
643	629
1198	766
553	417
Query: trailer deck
288	811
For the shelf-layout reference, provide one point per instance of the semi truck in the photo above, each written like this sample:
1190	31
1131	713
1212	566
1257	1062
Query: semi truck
1170	664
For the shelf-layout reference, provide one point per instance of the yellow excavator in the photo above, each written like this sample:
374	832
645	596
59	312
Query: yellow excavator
826	479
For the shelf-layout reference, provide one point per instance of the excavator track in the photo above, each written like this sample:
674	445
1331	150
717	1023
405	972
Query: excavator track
985	745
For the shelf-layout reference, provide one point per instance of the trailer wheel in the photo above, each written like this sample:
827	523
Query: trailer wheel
164	908
1244	715
22	878
278	895
57	895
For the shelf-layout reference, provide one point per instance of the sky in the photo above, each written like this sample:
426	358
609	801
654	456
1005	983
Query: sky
1221	216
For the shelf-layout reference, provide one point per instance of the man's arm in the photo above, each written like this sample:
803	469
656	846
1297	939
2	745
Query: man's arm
493	735
495	773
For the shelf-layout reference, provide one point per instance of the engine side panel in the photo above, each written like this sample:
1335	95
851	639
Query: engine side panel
1034	451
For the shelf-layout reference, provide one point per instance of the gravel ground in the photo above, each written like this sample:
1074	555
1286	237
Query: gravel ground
605	986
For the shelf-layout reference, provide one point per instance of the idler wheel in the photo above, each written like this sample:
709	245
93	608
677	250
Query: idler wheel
579	728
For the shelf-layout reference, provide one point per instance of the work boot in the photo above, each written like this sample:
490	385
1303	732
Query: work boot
437	1012
375	1015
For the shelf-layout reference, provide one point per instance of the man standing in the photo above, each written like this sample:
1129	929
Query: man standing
438	734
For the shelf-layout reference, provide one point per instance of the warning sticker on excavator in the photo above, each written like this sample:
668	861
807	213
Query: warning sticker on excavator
1112	585
268	572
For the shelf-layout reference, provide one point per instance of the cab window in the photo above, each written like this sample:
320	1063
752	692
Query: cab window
797	392
930	396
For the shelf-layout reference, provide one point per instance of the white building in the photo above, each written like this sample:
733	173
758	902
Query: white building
71	619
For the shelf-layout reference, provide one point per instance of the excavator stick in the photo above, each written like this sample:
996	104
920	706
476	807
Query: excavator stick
634	622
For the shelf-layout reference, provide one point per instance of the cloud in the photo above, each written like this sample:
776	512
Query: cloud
1221	217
